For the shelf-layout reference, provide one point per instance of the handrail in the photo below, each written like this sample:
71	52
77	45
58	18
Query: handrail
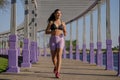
20	27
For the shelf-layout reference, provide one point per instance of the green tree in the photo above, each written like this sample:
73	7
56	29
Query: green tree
21	44
74	44
67	44
4	4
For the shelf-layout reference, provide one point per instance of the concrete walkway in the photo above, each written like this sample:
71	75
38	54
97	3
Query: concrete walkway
71	70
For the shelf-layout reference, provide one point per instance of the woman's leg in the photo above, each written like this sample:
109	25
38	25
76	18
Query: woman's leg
54	57
59	59
59	51
53	50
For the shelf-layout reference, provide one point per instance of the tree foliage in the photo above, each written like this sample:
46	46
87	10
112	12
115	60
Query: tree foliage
4	4
67	44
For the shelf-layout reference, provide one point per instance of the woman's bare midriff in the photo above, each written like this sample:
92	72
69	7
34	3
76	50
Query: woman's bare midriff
57	32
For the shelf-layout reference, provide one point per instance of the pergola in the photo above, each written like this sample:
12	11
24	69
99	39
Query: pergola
71	9
36	15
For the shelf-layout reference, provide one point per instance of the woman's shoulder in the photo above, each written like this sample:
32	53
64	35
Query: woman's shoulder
50	23
63	23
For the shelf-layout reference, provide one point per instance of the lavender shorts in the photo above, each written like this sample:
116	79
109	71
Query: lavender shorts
57	42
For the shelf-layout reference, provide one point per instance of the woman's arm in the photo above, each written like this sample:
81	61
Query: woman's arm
48	31
64	30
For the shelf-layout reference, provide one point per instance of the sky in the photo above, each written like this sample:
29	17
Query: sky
5	16
5	23
114	15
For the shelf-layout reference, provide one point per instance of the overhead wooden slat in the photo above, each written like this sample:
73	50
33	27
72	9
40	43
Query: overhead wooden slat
70	9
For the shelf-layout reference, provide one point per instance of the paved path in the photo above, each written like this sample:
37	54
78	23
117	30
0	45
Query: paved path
71	70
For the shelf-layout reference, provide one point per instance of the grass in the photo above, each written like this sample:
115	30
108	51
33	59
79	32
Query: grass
3	64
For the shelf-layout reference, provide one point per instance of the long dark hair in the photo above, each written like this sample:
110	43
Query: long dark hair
52	16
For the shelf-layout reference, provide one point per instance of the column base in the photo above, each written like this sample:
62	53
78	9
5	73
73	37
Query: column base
99	59
109	55
13	69
13	55
26	59
13	61
92	56
26	65
99	54
33	54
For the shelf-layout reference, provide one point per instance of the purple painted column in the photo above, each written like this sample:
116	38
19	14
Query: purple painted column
71	54
77	52
26	54
36	51
32	52
99	54
119	59
108	38
109	55
84	56
64	52
92	56
13	55
84	53
99	44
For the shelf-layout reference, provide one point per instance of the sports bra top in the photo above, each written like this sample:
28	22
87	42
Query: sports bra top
54	27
